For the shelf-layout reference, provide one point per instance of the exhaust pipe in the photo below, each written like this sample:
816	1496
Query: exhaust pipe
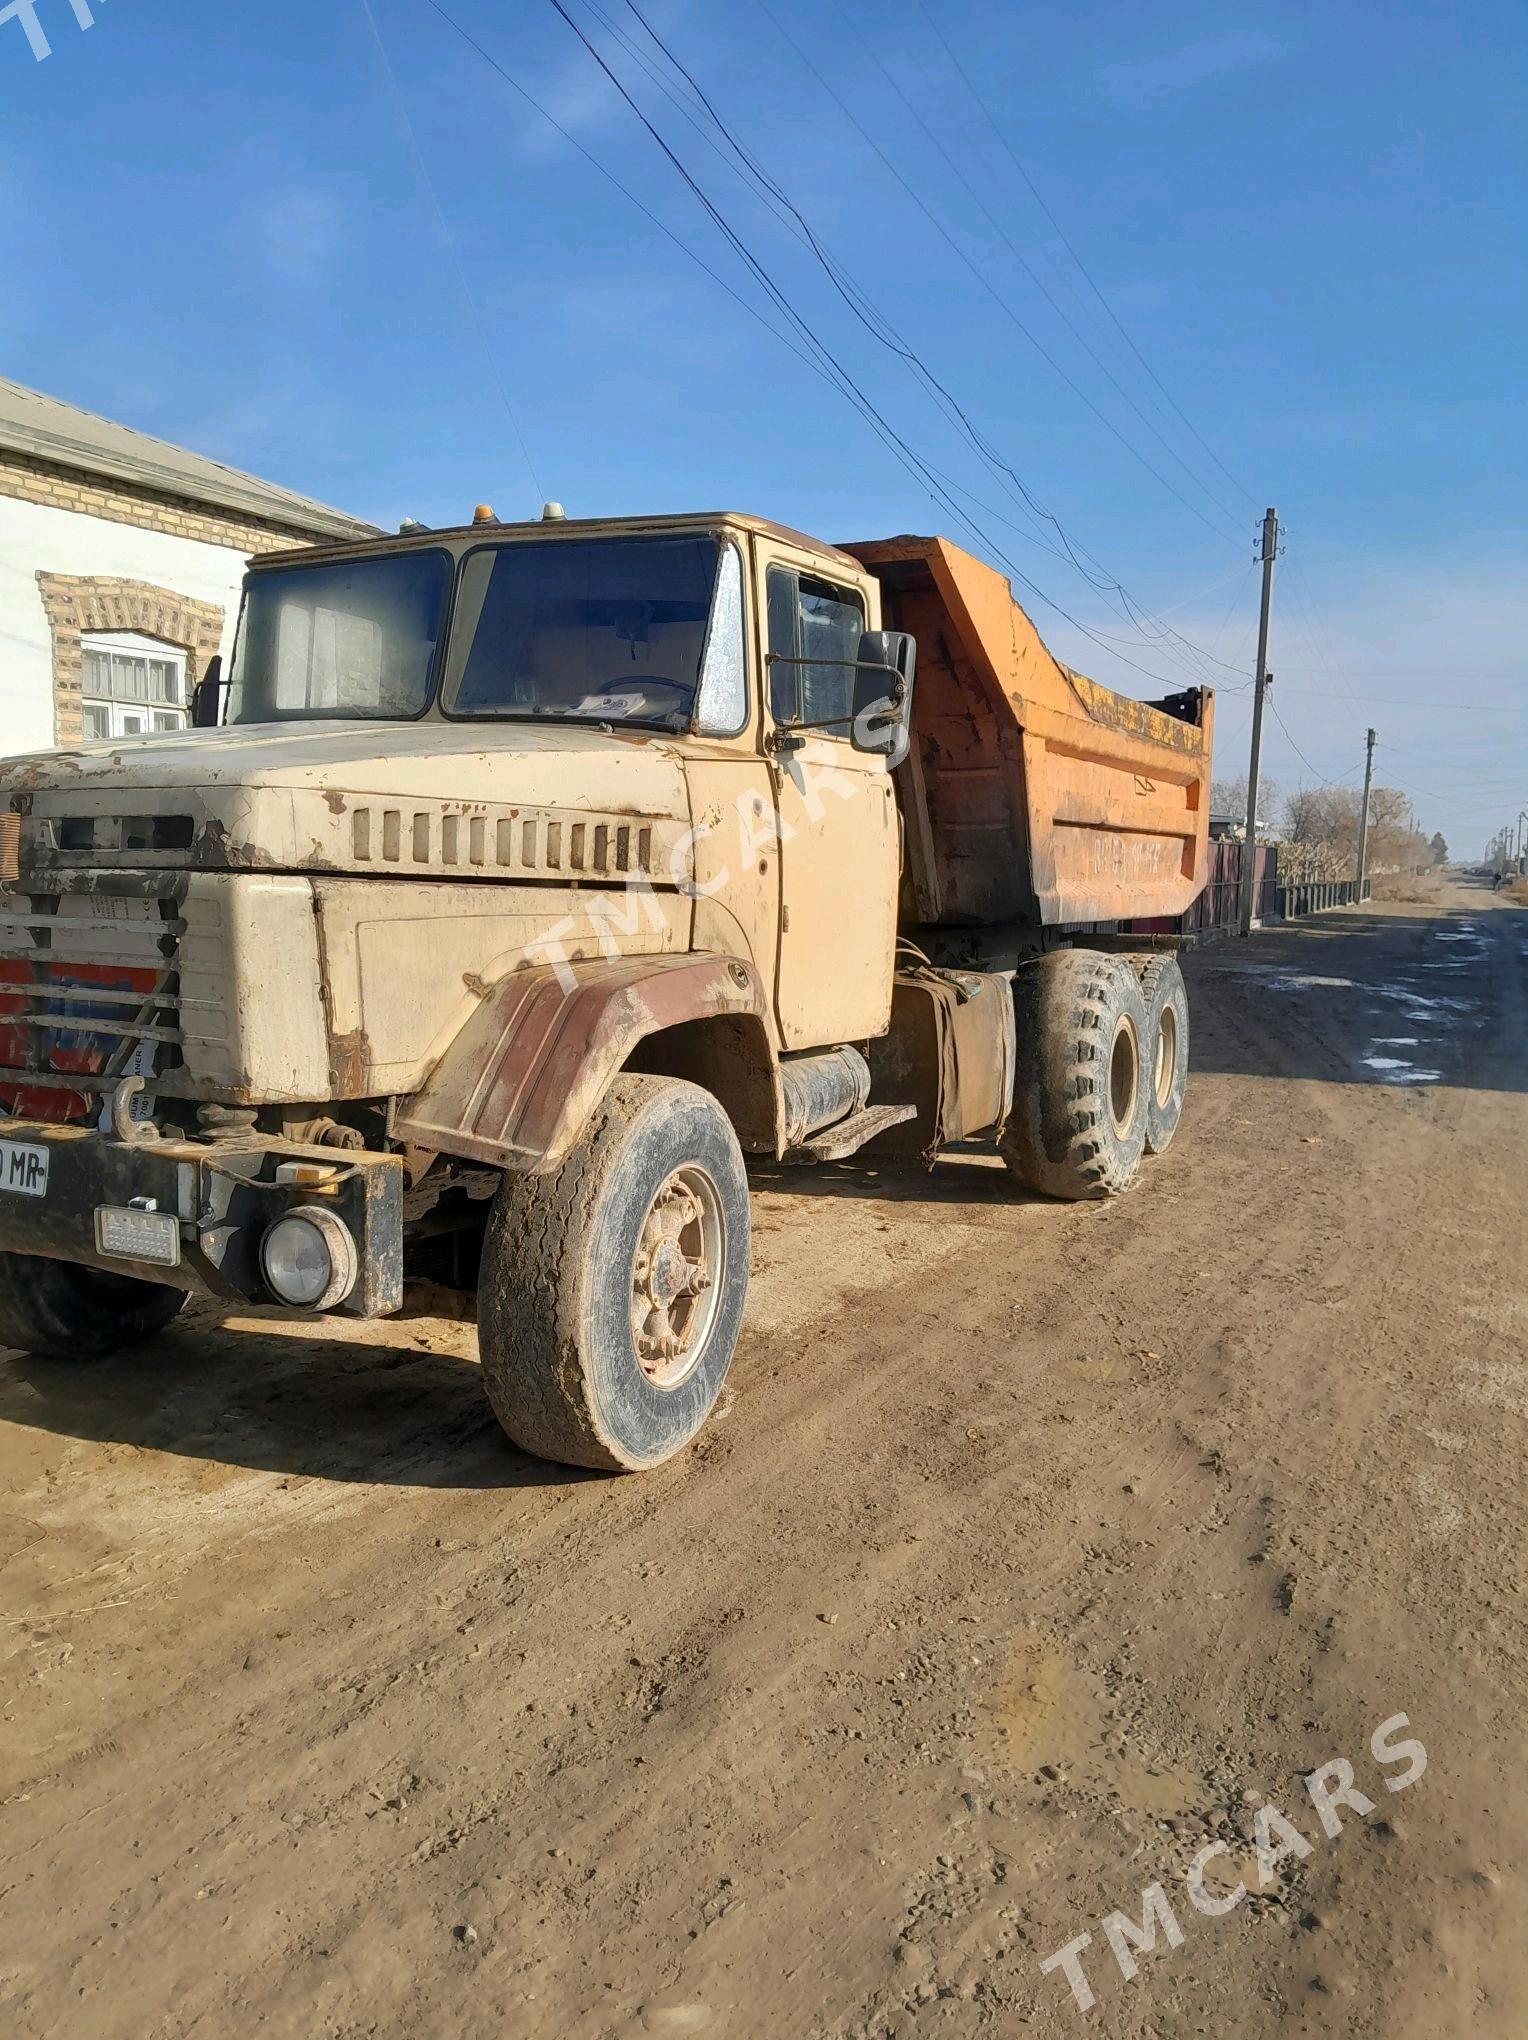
822	1089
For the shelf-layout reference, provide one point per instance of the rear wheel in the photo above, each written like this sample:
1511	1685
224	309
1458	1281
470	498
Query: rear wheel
1078	1125
1166	998
611	1292
63	1312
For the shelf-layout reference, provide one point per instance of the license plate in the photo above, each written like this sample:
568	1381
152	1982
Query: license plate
23	1169
130	1235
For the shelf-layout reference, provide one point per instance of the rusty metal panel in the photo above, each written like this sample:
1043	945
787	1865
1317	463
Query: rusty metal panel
518	1083
1050	799
949	1054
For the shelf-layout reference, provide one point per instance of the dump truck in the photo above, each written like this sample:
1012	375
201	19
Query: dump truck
519	880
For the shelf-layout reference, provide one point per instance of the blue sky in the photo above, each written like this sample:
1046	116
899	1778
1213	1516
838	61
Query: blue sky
369	278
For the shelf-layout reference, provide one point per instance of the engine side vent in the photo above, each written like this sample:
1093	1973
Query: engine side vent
541	845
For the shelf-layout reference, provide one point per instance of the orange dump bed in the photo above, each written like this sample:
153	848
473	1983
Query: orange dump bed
1032	794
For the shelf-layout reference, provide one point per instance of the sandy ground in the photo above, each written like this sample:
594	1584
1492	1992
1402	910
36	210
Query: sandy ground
1035	1549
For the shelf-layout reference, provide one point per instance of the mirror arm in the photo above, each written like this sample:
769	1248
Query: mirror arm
894	699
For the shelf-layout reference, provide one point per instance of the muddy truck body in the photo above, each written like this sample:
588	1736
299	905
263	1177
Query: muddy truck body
516	884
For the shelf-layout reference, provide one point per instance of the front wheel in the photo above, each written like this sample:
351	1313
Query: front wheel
63	1312
612	1289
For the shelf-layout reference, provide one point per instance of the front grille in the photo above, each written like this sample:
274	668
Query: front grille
89	993
87	836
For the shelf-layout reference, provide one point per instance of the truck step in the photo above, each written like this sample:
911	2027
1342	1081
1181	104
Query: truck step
835	1142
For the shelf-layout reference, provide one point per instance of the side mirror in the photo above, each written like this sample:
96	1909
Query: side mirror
207	697
883	693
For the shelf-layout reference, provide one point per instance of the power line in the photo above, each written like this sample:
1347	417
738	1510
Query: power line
1296	748
856	299
1080	338
630	196
1164	637
648	214
1065	241
1503	784
943	231
745	168
1305	601
833	374
1405	701
848	387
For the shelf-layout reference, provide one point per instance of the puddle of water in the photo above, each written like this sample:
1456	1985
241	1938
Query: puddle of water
1408	1075
1397	1041
1424	1002
1397	1069
1299	981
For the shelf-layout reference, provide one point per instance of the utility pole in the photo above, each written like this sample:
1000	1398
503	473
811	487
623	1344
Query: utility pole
1363	817
1249	848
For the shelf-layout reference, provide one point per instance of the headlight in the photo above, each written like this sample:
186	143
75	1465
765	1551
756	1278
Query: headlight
309	1259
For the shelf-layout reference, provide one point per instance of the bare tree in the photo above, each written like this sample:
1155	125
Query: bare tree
1324	819
1229	797
1306	815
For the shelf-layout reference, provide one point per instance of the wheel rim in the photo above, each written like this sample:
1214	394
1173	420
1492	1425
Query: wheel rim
676	1277
1124	1075
1167	1055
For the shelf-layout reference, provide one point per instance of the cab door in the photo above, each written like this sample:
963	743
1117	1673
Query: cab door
839	838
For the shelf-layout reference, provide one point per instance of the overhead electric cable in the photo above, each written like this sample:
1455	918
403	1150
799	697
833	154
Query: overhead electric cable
985	281
848	386
1028	269
630	196
904	453
1062	236
882	330
1305	603
1273	705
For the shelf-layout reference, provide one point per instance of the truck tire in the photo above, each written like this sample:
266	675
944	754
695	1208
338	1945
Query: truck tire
611	1292
1078	1125
1166	1059
63	1312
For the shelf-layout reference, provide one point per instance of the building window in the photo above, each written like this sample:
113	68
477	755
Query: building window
132	685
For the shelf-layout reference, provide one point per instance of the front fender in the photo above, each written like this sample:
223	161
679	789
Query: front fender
518	1083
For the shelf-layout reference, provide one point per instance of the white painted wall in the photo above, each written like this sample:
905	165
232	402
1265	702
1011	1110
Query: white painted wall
35	537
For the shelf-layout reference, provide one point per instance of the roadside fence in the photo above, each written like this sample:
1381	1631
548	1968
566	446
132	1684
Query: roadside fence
1277	895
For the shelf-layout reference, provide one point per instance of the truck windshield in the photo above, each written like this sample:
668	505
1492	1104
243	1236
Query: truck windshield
612	629
352	640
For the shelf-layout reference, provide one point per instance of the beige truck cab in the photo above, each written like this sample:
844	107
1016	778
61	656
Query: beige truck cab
515	882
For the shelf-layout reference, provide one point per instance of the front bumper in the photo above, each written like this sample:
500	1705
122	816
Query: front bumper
223	1194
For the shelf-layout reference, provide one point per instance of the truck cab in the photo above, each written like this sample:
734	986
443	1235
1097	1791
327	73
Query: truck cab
481	821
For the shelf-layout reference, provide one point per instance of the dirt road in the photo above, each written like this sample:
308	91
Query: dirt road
1036	1549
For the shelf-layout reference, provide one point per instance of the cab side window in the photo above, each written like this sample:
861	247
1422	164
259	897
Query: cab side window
814	621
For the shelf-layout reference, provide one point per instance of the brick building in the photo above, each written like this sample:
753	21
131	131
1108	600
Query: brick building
120	563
